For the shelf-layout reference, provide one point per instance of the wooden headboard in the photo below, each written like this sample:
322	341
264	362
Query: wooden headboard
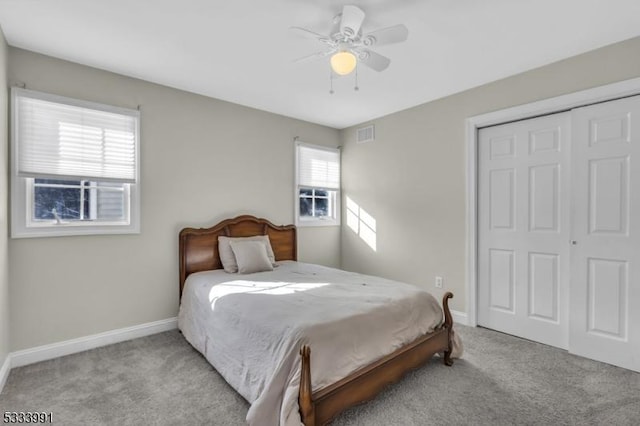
199	246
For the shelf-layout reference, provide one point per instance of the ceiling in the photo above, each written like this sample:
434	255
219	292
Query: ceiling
242	51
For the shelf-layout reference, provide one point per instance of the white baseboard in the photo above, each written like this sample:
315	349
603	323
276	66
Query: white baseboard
4	371
68	347
459	317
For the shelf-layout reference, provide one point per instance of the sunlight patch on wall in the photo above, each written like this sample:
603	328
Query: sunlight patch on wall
362	223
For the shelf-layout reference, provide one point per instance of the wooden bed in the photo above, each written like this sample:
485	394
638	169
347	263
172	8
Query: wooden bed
199	252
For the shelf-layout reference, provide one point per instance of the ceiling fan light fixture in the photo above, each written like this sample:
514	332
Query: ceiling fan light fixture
343	62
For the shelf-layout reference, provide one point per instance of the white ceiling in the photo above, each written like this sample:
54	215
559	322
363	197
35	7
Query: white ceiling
242	51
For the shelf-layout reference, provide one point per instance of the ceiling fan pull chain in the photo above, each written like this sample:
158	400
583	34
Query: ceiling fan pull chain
330	82
356	88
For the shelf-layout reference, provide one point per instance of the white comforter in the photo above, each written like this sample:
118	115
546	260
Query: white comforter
251	328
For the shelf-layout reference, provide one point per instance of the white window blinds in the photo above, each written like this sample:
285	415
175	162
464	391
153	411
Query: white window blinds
318	167
63	138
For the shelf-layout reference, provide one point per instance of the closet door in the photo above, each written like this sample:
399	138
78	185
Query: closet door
523	228
605	282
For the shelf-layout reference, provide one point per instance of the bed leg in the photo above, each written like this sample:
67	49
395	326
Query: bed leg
448	324
305	400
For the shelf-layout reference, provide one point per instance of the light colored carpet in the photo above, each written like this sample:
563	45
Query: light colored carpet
161	380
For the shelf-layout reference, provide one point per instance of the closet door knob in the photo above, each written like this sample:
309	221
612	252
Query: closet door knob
574	242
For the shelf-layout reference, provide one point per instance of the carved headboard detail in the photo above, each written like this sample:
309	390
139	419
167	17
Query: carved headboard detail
199	246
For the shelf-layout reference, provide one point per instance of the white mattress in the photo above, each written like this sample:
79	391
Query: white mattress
251	328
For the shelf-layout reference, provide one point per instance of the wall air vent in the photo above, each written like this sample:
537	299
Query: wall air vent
365	134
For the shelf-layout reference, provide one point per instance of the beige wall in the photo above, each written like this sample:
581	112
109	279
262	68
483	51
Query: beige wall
412	178
4	274
202	160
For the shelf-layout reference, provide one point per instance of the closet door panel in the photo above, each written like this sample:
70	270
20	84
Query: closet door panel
523	230
605	260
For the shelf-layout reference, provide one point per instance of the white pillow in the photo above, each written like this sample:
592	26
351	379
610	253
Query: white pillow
251	256
227	257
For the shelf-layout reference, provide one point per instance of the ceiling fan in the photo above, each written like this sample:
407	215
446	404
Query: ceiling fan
347	44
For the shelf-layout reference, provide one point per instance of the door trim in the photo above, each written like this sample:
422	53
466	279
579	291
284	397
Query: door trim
472	124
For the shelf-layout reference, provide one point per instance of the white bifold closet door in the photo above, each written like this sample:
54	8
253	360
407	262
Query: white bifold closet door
559	230
605	260
523	228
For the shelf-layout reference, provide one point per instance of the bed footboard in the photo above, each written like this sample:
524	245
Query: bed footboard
319	408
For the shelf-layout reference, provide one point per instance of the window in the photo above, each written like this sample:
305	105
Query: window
74	167
77	200
317	185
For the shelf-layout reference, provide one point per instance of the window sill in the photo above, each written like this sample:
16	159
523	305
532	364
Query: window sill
68	230
316	223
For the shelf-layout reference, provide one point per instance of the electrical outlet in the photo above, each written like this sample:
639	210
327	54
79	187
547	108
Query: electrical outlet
438	282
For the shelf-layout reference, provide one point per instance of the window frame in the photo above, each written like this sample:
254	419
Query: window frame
22	188
91	186
333	220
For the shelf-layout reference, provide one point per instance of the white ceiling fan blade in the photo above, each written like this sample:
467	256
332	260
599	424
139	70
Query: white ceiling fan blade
351	21
311	34
373	60
389	35
316	55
